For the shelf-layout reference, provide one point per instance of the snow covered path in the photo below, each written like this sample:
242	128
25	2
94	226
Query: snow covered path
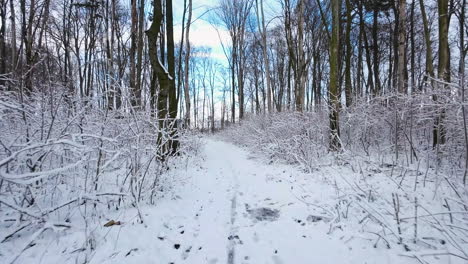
236	209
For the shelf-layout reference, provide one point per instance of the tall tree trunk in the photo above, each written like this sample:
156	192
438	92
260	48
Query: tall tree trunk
427	39
161	74
289	83
27	45
203	106
315	83
171	60
257	84
359	70
172	107
133	47
180	76
223	109
212	87
377	88
413	49
348	85
461	75
187	66
402	73
368	62
335	143
443	71
120	73
263	32
3	16
109	93
233	85
14	60
240	79
139	54
300	82
444	52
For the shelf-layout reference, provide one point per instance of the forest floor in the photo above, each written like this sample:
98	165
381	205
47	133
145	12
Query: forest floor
230	206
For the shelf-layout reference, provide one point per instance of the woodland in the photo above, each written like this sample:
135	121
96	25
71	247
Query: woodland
110	111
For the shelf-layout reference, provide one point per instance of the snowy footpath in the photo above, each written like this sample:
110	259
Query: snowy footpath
237	209
230	208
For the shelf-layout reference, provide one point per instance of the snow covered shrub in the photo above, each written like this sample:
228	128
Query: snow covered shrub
288	136
399	129
67	163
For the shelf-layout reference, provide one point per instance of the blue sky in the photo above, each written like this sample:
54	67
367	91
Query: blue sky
202	33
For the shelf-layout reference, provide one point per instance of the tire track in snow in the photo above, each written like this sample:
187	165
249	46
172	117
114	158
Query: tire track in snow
232	242
231	249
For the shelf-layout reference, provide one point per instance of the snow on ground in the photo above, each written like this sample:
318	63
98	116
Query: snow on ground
231	207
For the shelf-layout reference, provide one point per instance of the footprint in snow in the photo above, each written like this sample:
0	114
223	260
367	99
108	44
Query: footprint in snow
263	213
236	239
186	252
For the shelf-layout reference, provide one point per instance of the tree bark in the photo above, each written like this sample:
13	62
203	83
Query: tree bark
171	61
187	66
443	71
402	73
444	52
335	143
377	88
139	53
133	47
161	74
427	39
348	85
3	16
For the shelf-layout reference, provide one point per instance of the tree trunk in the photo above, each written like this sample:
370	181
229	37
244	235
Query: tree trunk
427	39
140	44
233	87
162	75
171	61
413	49
13	39
3	16
335	143
133	48
444	52
443	71
187	66
360	73
348	86
377	88
402	74
300	83
263	33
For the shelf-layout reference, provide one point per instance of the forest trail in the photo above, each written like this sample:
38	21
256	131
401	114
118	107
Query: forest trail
235	208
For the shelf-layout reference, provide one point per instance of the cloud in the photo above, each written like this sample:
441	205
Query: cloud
202	33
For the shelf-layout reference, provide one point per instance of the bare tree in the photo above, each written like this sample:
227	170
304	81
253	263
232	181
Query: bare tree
164	79
402	73
187	66
335	143
234	16
263	33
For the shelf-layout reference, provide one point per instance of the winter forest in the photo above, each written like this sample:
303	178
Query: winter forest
233	131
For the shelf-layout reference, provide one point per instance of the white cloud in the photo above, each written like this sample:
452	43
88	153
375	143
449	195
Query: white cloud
202	33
